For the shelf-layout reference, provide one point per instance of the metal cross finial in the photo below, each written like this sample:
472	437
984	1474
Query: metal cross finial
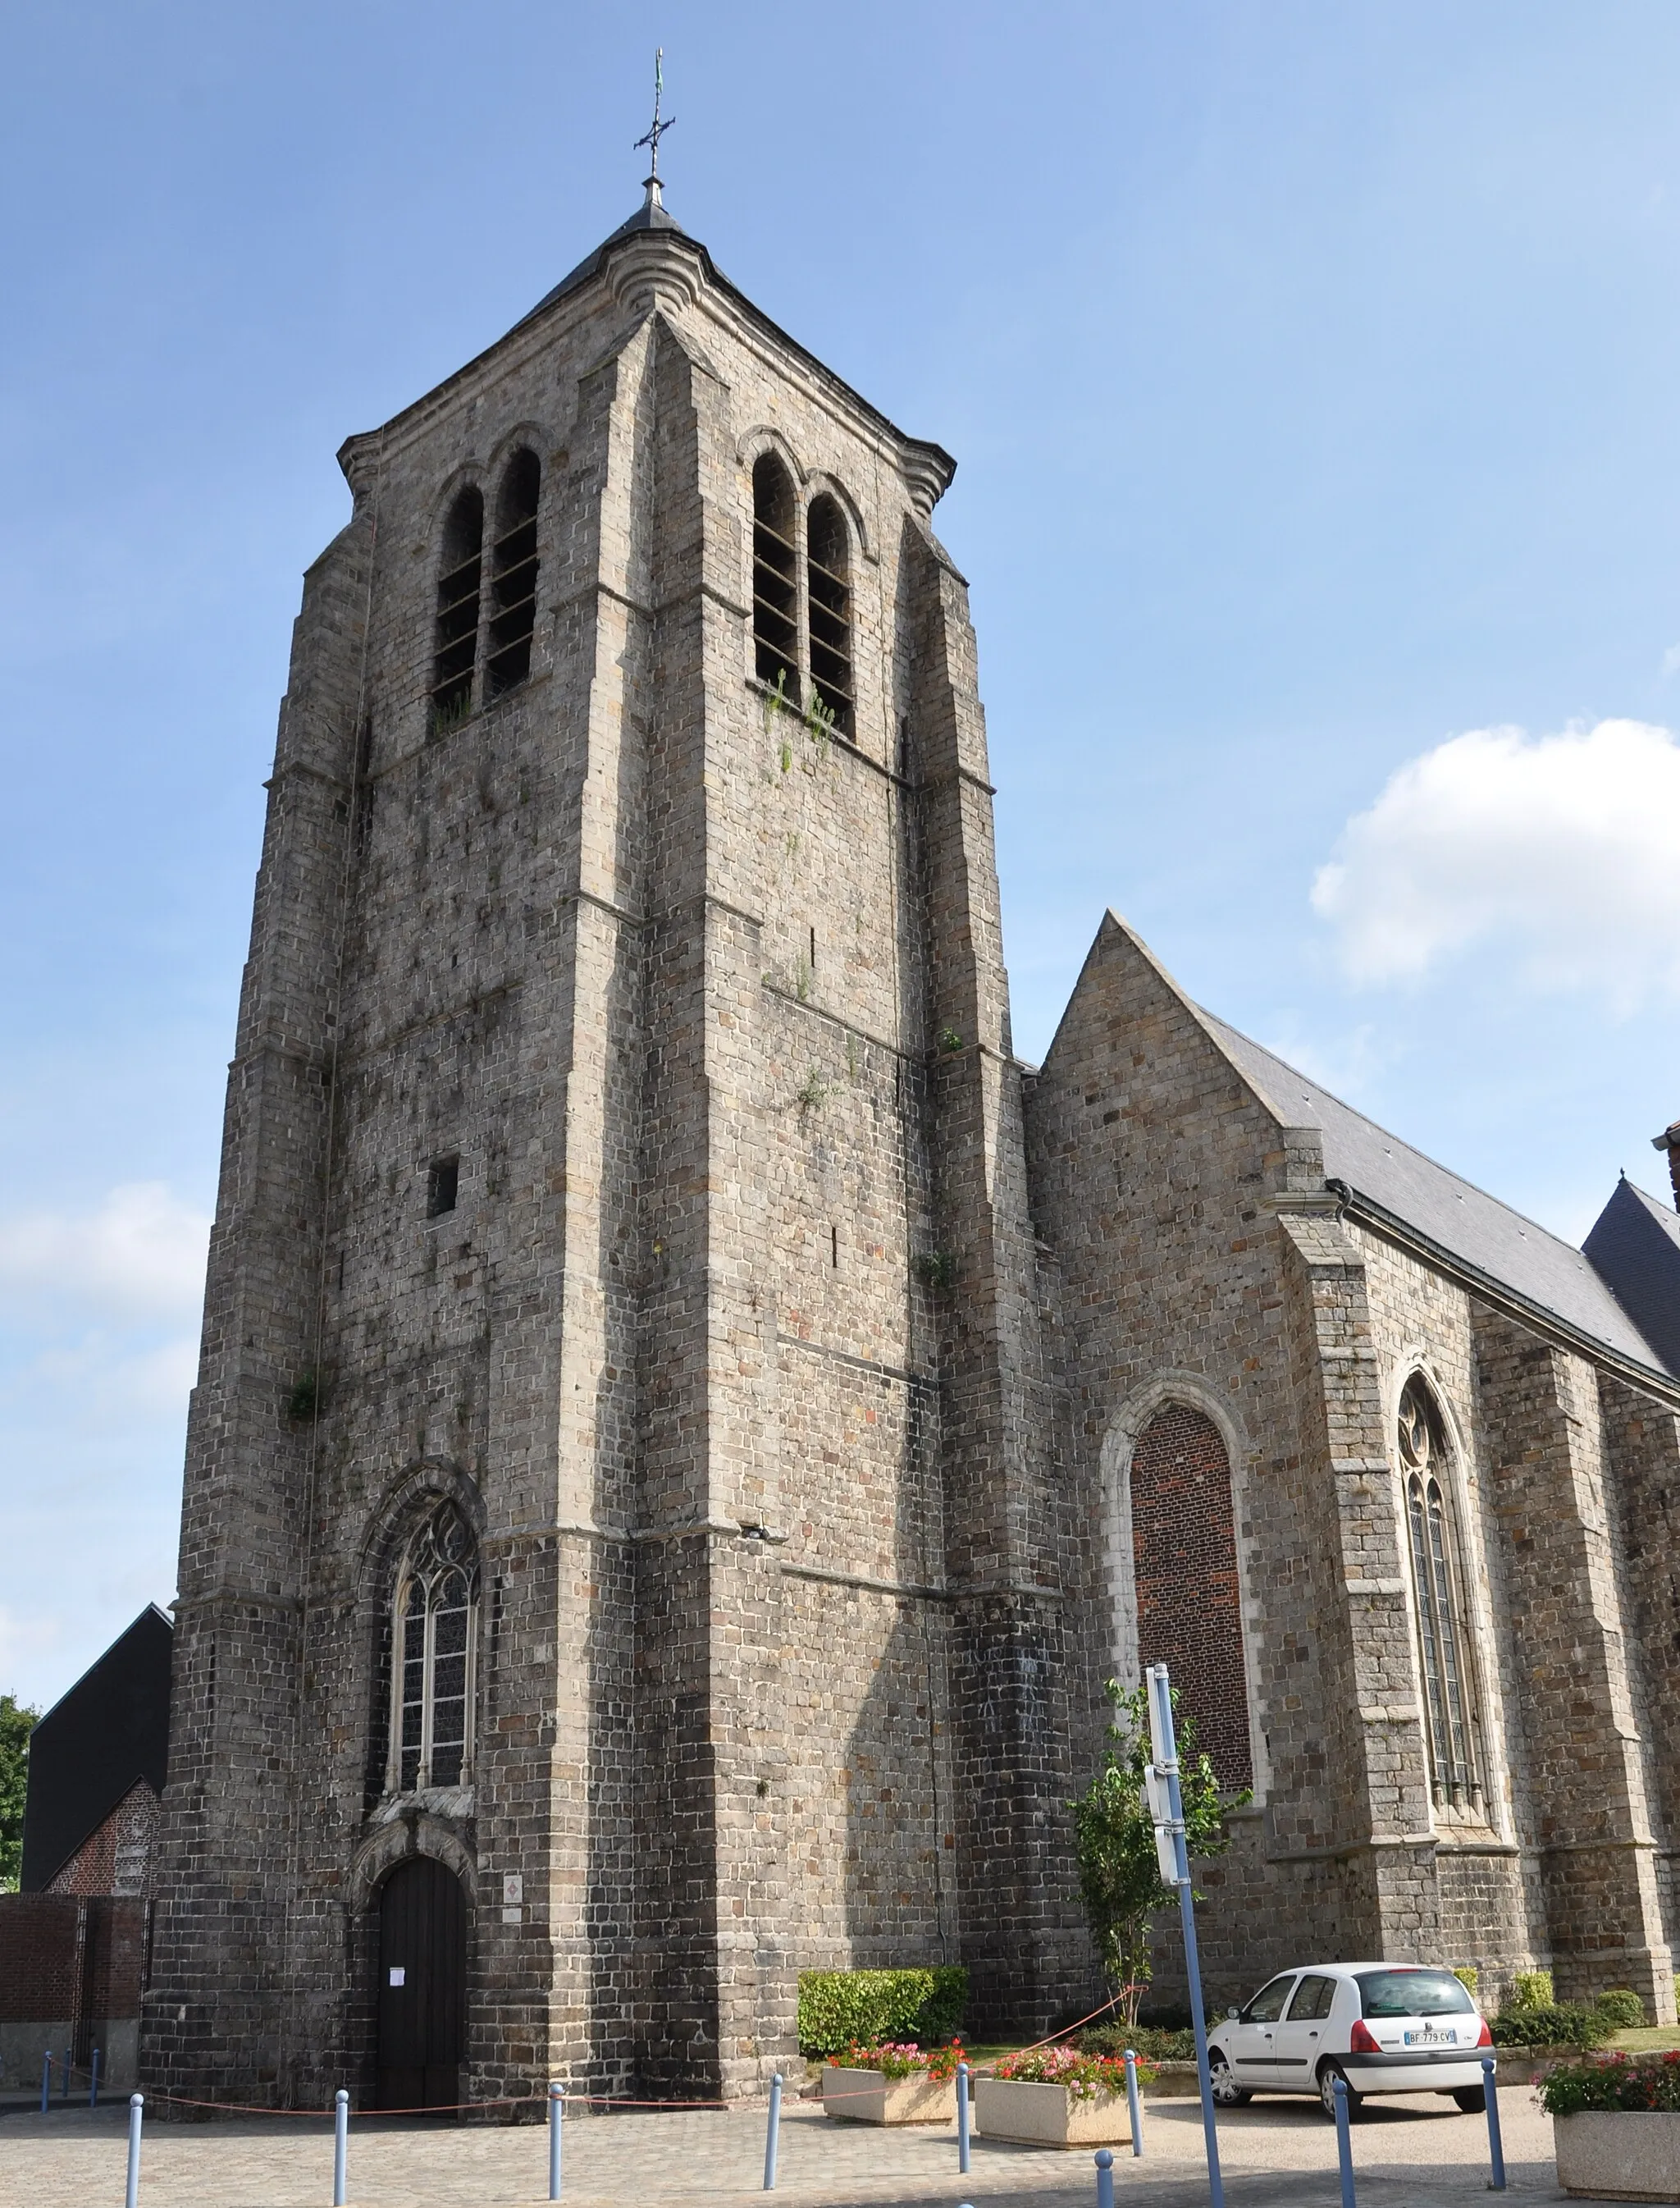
659	128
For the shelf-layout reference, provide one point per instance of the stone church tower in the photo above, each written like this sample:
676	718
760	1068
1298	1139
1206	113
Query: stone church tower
620	1561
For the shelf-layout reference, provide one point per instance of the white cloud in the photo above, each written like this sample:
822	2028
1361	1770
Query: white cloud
1563	849
140	1254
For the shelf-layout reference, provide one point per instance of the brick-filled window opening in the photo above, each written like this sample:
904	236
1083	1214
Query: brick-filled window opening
1188	1595
459	580
775	570
443	1187
513	575
1437	1608
827	566
434	1629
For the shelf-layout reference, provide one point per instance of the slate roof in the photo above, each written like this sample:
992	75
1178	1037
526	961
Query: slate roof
1459	1217
1635	1247
108	1730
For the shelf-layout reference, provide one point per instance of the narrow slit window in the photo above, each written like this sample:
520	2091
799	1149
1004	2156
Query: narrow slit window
775	568
456	641
827	566
834	1247
434	1630
513	575
443	1187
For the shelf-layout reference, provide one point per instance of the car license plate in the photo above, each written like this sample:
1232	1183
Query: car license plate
1428	2035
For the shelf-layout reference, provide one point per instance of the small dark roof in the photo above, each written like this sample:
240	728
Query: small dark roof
1457	1217
111	1729
651	214
1635	1247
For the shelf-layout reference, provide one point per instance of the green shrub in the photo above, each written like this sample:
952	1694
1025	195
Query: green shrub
838	2006
1468	1977
1532	1989
1621	2008
1576	2088
1562	2024
1145	2039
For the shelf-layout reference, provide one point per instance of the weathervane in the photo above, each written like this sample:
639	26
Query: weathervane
659	128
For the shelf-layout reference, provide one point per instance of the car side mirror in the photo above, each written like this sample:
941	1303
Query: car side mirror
1232	2015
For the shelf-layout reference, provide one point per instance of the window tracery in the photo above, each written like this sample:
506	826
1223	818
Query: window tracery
1438	1607
433	1632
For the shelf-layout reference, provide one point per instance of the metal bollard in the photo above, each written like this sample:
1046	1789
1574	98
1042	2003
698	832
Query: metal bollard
340	2145
1105	2178
93	2082
46	2079
773	2128
556	2117
136	2109
1134	2102
963	2119
1496	2146
1344	2143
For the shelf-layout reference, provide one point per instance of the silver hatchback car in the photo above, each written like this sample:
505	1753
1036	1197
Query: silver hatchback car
1381	2027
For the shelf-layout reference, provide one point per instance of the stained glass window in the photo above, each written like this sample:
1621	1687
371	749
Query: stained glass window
433	1633
1438	1609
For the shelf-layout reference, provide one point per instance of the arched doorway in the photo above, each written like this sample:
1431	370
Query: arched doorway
421	1986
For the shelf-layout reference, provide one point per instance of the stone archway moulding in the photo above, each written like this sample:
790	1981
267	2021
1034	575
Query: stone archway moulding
1128	1423
412	1834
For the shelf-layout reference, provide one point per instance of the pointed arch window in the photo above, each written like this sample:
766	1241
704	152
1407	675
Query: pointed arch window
775	568
1436	1601
829	600
455	646
434	1636
513	566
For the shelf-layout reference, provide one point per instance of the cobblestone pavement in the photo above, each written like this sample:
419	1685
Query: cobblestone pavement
1275	2154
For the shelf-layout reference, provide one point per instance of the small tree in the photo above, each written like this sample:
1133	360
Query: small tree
1119	1877
15	1722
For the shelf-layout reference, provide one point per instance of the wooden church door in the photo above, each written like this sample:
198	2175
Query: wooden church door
421	1986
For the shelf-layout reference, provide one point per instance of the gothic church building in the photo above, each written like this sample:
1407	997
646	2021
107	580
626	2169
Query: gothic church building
687	1421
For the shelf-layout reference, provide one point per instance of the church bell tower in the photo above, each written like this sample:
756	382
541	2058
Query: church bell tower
620	1561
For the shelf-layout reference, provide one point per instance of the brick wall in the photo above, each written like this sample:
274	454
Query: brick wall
1184	1546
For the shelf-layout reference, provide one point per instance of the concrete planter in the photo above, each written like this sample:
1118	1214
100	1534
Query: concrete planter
1612	2154
868	2097
1049	2115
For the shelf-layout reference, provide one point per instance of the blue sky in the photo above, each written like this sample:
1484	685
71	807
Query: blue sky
1314	374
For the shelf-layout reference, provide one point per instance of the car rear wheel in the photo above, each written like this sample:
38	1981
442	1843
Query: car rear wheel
1328	2074
1227	2091
1472	2099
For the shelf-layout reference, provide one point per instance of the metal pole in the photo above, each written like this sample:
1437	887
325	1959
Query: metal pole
46	2079
771	2130
1344	2142
93	2082
1105	2178
340	2145
963	2119
1496	2146
1134	2104
557	2117
136	2109
1161	1693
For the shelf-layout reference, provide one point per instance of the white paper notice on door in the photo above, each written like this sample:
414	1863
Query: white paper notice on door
398	1974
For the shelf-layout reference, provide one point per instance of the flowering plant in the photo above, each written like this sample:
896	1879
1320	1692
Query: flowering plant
1085	2076
1574	2088
903	2059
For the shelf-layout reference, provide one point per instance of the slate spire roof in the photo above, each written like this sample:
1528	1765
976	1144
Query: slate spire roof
1635	1247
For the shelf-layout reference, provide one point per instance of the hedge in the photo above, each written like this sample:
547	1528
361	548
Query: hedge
1563	2024
838	2006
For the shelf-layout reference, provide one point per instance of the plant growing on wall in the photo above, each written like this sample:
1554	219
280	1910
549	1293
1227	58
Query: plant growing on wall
16	1721
1119	1880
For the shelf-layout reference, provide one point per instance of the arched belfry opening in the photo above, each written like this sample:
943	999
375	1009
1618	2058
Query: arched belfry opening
420	1997
829	599
455	648
775	570
513	566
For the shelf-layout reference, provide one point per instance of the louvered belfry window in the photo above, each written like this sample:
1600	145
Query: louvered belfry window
456	639
775	568
827	566
1437	1606
513	575
434	1630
